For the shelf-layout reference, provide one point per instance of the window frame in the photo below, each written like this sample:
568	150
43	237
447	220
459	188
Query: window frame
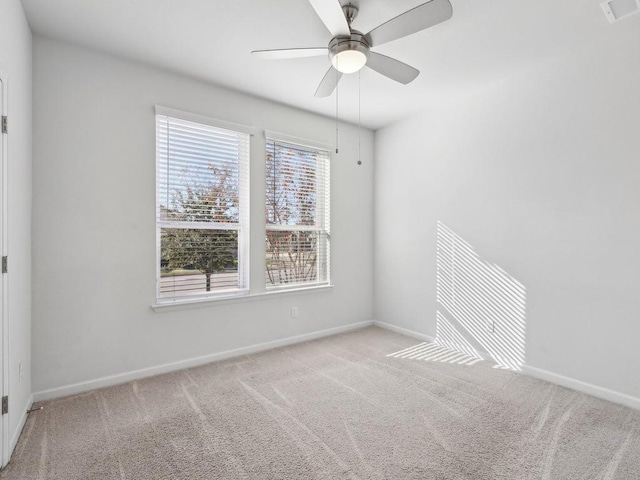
323	212
243	226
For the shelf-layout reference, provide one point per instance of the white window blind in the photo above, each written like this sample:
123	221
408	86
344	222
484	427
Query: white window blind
297	215
202	209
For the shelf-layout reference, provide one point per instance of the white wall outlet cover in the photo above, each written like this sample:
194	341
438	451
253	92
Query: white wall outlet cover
618	9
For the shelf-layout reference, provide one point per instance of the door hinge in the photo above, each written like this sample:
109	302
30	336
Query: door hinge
5	405
5	124
4	264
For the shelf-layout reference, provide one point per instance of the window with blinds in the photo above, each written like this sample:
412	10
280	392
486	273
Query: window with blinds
202	209
297	215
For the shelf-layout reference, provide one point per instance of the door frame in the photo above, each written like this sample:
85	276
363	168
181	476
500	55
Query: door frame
4	344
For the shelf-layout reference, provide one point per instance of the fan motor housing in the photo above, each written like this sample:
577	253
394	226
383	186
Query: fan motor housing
356	41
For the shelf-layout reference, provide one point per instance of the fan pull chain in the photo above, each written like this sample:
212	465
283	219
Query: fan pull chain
337	90
359	123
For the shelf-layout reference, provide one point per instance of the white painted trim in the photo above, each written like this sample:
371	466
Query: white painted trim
404	331
195	117
183	303
188	363
216	297
572	383
584	387
4	283
18	431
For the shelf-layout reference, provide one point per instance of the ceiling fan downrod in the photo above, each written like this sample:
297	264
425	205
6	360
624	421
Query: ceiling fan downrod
350	12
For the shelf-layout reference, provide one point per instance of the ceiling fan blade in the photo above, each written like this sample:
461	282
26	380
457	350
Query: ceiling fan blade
392	68
412	21
285	53
331	14
328	83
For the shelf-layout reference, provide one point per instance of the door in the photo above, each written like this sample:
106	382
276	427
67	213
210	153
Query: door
4	380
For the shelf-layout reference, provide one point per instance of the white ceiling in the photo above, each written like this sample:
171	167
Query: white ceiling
485	41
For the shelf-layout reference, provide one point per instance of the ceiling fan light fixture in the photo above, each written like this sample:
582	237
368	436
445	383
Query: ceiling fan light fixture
349	61
349	54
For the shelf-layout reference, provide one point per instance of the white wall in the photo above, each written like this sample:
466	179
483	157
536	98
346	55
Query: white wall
15	62
94	222
541	174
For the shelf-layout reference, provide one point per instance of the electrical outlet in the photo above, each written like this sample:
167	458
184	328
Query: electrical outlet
294	312
20	372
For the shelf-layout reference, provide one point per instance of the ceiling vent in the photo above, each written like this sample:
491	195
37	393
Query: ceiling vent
618	9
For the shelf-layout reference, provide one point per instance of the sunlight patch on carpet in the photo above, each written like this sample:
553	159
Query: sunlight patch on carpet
436	353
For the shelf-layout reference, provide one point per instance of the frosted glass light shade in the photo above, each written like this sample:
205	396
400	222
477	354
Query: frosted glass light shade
349	61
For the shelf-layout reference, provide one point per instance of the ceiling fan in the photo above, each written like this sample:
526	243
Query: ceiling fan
349	50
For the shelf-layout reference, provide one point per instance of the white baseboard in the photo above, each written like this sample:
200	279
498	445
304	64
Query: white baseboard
15	436
584	387
81	387
572	383
403	331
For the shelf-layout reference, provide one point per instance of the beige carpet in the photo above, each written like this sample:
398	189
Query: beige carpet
336	408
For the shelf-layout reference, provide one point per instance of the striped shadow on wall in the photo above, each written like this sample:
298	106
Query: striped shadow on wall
480	306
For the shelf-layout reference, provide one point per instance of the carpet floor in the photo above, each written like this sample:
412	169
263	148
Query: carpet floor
335	408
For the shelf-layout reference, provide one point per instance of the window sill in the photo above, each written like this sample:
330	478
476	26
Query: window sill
213	301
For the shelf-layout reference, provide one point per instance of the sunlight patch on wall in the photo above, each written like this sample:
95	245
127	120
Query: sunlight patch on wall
448	337
484	301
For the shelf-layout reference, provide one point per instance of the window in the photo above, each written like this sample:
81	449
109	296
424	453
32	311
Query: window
297	214
202	209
